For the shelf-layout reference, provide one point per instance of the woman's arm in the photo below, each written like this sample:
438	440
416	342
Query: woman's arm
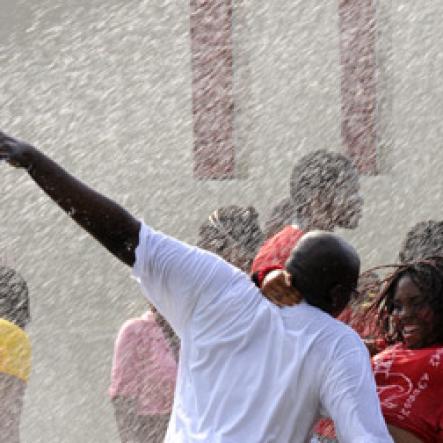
402	436
105	220
134	428
126	418
12	391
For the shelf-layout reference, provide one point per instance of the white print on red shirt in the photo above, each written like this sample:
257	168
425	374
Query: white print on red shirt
399	392
435	359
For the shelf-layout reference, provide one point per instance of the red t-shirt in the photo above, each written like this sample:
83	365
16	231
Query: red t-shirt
276	250
410	388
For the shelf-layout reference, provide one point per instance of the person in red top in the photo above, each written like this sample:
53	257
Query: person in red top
409	373
324	189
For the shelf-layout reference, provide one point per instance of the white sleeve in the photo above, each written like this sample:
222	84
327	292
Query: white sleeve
174	275
349	396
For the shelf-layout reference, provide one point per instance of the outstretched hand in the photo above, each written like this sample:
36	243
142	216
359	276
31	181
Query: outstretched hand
276	287
15	152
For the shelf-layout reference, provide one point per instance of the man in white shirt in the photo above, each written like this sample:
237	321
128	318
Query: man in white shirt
249	371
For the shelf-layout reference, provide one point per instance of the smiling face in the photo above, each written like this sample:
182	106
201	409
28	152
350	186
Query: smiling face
413	316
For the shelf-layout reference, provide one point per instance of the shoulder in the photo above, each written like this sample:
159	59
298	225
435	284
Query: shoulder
7	327
15	351
431	357
343	340
12	336
289	232
133	325
331	335
136	329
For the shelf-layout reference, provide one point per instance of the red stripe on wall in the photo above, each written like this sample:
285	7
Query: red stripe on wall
212	89
357	21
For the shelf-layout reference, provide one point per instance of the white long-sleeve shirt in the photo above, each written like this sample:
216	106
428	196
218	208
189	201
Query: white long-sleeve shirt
251	372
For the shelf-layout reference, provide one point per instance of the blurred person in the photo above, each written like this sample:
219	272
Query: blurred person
144	368
232	232
424	239
325	194
281	215
15	352
143	377
248	370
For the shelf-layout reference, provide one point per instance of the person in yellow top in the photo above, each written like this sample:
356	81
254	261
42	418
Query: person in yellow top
15	352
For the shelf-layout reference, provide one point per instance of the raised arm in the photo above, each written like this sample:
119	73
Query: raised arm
105	220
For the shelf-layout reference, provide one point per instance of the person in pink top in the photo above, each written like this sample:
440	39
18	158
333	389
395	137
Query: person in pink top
143	378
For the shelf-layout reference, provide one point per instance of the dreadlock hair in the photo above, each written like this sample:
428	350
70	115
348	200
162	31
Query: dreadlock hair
318	173
14	297
424	239
427	274
356	316
232	226
368	287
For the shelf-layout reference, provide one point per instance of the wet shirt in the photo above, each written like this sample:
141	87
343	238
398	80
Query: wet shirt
410	386
15	350
144	367
276	250
250	371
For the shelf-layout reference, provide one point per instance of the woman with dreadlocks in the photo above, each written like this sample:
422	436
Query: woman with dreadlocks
15	352
409	372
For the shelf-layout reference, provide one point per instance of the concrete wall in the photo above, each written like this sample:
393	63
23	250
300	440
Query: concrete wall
104	87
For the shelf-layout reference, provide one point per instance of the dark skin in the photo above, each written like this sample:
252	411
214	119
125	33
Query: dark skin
413	316
324	269
105	220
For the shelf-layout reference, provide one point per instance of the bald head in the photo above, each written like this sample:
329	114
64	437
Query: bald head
324	268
